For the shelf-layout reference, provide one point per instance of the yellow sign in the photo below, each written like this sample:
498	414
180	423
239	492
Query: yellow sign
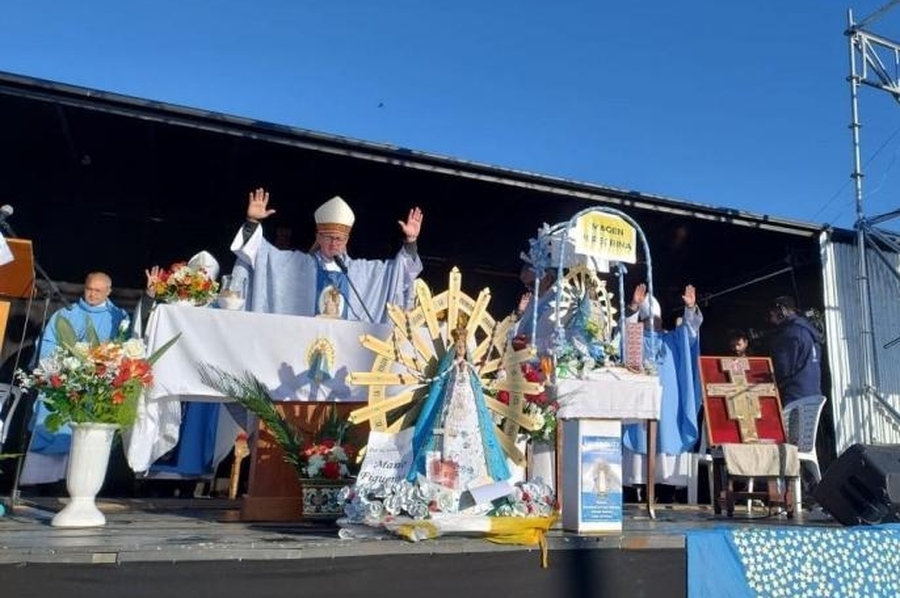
606	237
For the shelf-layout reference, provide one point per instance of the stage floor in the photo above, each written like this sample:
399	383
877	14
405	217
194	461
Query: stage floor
174	530
199	547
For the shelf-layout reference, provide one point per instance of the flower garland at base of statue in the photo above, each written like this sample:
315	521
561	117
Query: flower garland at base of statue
422	510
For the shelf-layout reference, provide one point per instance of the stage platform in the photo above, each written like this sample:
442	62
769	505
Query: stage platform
204	542
173	529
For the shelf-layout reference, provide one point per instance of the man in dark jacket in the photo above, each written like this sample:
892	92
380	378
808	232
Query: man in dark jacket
796	349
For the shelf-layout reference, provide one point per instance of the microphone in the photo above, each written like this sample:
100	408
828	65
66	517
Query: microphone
6	211
343	266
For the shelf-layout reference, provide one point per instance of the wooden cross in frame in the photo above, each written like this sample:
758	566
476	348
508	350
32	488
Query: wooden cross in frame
740	400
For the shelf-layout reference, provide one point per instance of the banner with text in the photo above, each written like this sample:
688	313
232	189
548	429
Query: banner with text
606	237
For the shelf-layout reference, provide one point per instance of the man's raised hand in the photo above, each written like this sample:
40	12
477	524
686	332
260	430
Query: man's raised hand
257	205
640	293
413	225
690	296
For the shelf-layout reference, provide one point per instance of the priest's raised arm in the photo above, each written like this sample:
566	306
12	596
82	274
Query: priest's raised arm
309	284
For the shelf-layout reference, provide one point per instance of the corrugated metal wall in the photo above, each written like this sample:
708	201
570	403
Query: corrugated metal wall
858	415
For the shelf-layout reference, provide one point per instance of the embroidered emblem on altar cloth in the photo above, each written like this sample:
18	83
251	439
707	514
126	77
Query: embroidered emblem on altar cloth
320	359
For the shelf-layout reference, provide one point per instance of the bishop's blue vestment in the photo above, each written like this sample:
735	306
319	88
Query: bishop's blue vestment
295	282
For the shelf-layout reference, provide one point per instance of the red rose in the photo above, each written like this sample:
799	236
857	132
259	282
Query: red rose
331	470
118	397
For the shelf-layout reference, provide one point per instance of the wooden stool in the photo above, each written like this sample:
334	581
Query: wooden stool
726	496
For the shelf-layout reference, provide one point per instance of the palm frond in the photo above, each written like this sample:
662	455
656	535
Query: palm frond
252	394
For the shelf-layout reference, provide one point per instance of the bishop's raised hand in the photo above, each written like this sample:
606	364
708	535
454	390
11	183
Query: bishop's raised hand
258	205
413	225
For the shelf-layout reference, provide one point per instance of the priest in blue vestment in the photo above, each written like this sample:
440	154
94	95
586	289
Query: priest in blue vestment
675	354
324	281
48	452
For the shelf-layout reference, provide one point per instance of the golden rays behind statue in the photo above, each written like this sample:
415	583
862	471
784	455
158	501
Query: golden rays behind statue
410	360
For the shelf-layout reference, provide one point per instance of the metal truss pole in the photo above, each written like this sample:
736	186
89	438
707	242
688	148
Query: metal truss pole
868	56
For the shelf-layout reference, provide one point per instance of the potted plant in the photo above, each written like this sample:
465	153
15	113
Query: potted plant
92	386
324	465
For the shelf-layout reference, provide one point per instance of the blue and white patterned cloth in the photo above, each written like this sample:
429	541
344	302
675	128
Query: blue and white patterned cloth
859	562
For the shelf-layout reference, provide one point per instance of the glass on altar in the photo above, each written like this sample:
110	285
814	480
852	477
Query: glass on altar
232	292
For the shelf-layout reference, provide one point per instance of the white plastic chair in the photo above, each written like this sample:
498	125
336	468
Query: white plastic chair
704	457
801	418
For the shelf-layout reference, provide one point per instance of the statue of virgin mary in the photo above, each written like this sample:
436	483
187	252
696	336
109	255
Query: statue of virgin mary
454	443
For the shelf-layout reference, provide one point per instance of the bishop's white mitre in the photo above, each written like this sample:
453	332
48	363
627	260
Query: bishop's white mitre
334	215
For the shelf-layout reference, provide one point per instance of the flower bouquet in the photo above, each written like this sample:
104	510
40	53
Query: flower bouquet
542	405
183	283
585	350
91	381
94	386
329	459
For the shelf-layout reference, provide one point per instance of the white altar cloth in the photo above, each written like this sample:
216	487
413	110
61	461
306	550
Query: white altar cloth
274	348
611	393
615	394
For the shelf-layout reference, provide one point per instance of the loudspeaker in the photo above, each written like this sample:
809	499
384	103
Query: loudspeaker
861	486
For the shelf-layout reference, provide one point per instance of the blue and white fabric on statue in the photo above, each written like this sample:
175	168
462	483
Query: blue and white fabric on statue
677	359
48	452
455	423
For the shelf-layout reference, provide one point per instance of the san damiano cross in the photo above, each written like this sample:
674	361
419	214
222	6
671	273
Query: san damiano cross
741	398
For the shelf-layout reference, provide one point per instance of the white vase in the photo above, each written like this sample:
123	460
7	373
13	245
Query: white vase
88	461
541	461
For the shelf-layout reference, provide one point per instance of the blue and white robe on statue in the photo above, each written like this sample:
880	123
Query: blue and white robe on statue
293	282
48	453
682	399
440	393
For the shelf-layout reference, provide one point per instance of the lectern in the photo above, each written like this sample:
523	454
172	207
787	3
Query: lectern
16	279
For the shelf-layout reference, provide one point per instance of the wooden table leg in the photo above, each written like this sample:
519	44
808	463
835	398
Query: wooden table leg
651	468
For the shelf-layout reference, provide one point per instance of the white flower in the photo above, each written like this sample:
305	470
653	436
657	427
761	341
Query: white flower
50	365
134	348
314	465
338	454
71	364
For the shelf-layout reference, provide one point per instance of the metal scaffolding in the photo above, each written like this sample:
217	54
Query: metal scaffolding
875	63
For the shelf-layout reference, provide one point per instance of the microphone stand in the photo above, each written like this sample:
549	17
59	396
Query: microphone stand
25	437
340	263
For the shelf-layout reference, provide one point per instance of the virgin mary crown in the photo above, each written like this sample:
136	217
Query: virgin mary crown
334	216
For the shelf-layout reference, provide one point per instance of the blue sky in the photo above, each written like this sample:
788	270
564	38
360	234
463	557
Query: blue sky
740	105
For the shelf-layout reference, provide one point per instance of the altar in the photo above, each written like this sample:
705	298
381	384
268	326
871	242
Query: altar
304	362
